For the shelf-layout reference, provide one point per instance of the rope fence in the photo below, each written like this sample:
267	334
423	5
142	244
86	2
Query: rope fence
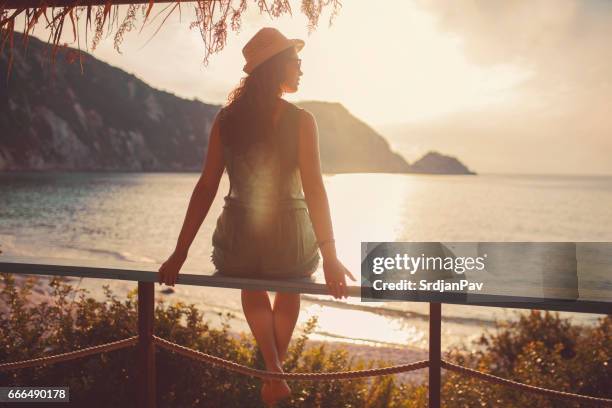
525	387
344	375
71	355
232	366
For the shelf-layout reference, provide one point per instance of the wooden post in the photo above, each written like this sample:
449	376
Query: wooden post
146	347
435	354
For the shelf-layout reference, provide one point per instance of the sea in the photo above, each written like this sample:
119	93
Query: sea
136	217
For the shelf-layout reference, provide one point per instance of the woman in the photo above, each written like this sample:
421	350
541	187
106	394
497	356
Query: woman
268	225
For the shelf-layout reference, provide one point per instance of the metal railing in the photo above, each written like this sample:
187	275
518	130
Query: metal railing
146	341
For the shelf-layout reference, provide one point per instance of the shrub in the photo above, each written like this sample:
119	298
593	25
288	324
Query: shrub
540	349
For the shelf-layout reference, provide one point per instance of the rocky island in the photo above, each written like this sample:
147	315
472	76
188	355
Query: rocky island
436	163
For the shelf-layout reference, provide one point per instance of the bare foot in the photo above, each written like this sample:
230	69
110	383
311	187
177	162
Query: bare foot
271	396
274	391
266	395
279	390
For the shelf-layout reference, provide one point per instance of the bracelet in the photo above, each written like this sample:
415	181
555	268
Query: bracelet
325	241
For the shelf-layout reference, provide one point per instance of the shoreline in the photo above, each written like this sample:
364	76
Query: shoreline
391	355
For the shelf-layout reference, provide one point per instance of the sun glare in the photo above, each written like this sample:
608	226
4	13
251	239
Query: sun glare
397	67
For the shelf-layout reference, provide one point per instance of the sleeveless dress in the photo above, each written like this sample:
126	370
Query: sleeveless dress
264	230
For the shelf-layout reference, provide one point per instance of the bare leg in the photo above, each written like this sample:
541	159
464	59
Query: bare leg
258	312
286	310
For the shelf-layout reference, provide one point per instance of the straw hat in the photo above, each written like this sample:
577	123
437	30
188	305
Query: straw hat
265	44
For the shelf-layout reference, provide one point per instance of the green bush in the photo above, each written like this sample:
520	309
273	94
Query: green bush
539	348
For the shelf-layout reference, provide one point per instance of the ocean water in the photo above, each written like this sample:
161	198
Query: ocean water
137	217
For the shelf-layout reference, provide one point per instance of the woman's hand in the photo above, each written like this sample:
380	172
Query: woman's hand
170	269
335	277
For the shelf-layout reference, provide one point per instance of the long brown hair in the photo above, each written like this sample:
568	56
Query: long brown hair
247	117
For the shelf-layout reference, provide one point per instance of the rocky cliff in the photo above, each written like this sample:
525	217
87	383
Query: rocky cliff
348	145
105	119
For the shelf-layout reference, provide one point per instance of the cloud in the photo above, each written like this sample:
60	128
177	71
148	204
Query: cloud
565	43
563	106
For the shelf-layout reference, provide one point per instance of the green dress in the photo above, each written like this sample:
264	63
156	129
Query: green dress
264	230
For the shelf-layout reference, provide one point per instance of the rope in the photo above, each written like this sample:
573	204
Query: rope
530	388
116	345
230	365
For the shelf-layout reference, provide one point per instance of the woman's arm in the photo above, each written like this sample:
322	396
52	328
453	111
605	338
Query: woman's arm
201	199
204	192
312	182
318	204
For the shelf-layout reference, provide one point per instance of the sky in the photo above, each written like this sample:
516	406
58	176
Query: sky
521	86
368	55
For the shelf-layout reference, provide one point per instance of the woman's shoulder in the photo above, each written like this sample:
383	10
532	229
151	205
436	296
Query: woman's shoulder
222	113
304	116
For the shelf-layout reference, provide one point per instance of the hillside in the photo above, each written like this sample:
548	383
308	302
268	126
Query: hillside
349	145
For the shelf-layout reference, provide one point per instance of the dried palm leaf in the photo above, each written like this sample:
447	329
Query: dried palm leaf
213	17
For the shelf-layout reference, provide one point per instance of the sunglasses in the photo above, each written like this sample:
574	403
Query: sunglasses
297	61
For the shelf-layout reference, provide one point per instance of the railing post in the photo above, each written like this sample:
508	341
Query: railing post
435	354
146	347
